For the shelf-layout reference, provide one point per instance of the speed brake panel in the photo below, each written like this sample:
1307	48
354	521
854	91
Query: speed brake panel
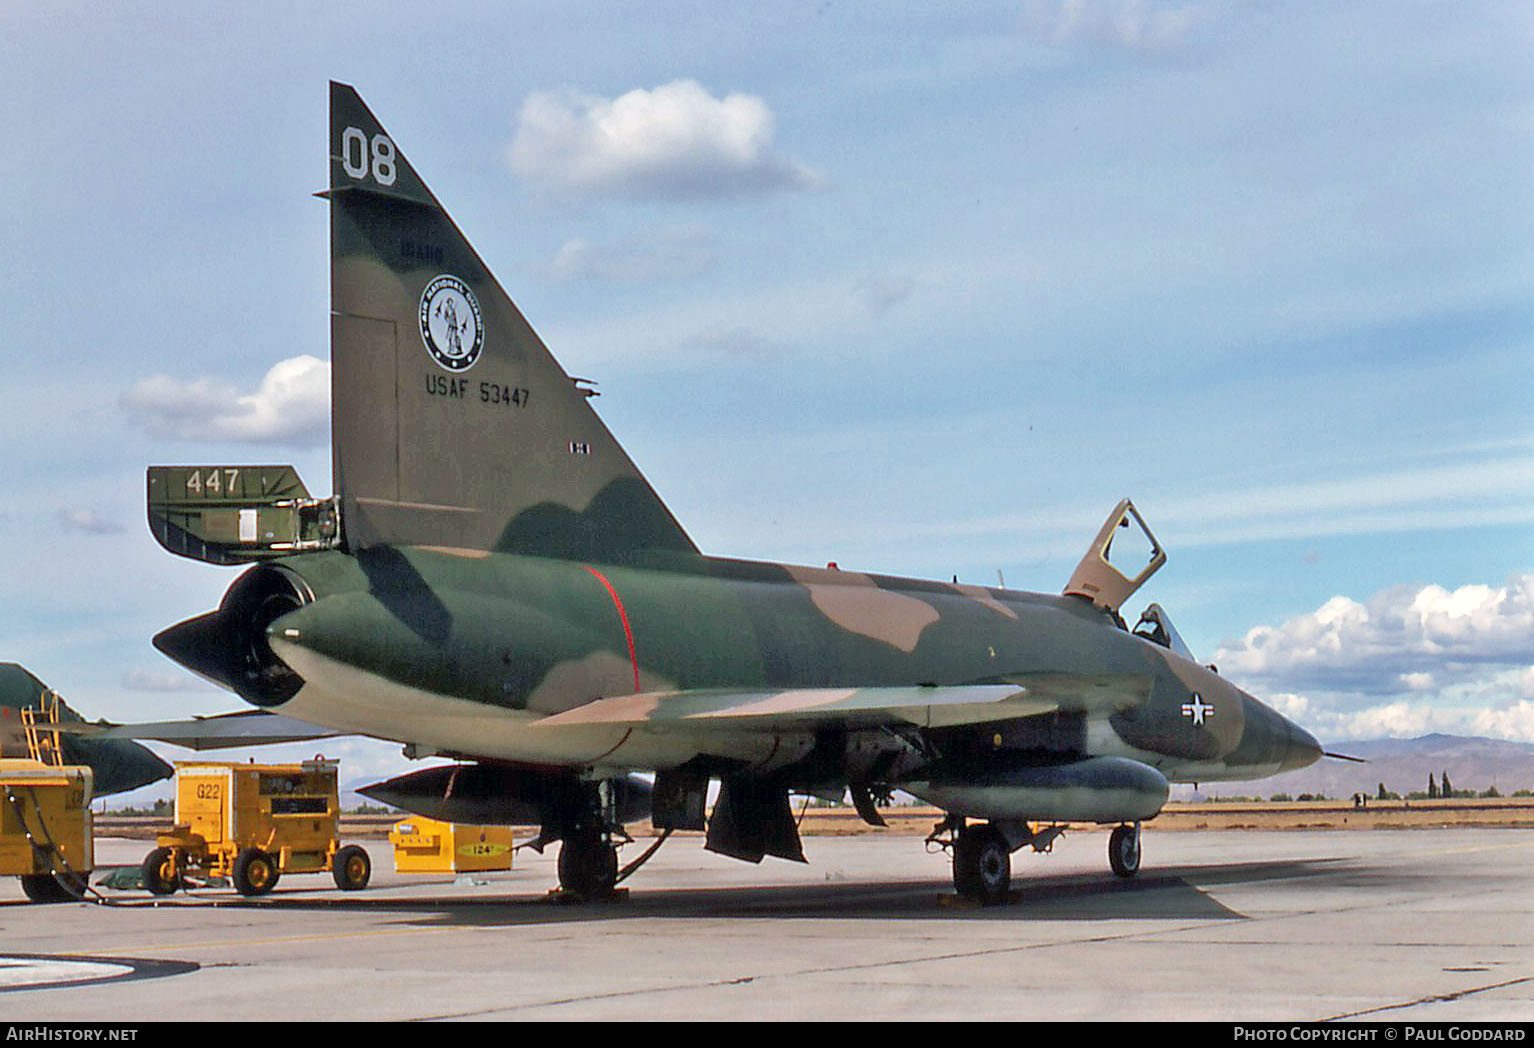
237	514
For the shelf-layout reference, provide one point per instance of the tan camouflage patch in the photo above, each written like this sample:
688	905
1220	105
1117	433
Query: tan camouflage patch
647	706
981	595
458	551
857	605
788	702
772	711
597	676
625	709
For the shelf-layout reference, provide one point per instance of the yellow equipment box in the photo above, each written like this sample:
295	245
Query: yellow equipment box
46	828
252	823
291	808
429	846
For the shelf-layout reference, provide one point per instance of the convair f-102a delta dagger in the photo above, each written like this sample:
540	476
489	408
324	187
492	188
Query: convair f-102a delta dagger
495	582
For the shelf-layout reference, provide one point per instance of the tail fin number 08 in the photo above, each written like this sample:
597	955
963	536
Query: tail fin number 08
360	156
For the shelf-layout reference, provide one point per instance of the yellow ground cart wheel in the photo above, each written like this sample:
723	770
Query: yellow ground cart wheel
351	868
255	872
161	871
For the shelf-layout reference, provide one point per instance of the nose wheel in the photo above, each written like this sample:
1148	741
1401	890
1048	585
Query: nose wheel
1124	850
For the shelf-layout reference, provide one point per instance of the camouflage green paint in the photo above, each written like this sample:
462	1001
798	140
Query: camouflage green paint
506	585
543	635
117	765
500	451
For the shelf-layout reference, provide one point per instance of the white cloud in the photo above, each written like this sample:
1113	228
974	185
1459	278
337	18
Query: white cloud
77	518
683	252
1395	720
1470	494
1493	491
1132	25
1511	722
735	342
1403	638
1295	707
152	680
675	142
291	406
1402	719
1406	661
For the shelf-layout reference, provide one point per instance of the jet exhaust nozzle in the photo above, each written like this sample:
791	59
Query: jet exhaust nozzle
230	647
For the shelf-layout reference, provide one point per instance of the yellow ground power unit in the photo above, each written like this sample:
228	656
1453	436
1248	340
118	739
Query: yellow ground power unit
45	828
429	846
251	823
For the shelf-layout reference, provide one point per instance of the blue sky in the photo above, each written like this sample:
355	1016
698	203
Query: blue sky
917	290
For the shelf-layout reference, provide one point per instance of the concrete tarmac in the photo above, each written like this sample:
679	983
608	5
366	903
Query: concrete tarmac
1378	926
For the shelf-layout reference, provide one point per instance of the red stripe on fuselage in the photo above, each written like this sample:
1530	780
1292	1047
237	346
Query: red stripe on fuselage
628	634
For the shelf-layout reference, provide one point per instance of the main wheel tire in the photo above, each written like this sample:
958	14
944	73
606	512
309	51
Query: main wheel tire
351	867
45	887
1124	851
255	872
588	865
161	871
982	865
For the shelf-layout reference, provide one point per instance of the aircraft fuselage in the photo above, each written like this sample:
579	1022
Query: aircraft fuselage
495	580
463	653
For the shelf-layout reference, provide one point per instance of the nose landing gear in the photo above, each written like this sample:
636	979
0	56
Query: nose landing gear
982	853
1124	850
982	865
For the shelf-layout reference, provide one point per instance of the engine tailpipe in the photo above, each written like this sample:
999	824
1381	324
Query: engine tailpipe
229	646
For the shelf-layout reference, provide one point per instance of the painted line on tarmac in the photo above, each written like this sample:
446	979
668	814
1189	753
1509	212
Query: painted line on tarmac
36	971
273	940
1441	998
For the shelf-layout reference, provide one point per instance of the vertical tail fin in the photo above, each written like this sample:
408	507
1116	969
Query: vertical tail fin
452	423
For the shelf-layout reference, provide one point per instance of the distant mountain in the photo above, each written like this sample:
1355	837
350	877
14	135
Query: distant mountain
1403	765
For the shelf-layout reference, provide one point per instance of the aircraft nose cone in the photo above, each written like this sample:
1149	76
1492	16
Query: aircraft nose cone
1303	749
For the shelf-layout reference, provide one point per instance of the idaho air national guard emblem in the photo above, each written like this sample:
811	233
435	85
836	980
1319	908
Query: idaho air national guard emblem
450	323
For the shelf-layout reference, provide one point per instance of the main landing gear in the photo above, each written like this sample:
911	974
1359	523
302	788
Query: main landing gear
982	853
590	832
588	863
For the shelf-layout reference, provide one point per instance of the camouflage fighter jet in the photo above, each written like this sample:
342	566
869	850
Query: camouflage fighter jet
117	765
494	581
